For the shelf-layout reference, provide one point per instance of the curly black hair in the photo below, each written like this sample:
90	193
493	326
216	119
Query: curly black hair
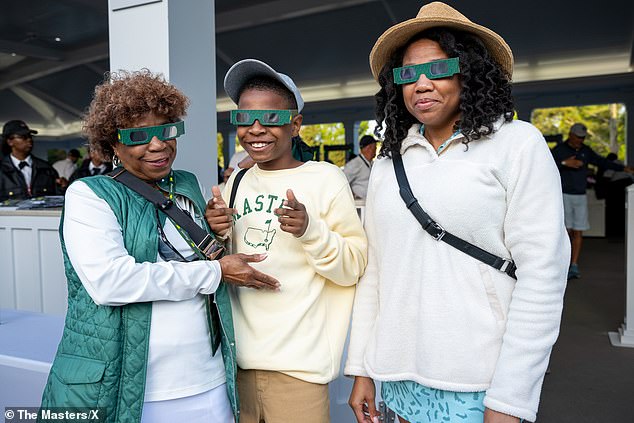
485	94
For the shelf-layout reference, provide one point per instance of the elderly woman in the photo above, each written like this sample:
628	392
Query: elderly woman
146	309
444	321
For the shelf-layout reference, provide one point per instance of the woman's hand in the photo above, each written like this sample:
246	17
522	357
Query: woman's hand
236	270
492	416
362	400
292	217
218	215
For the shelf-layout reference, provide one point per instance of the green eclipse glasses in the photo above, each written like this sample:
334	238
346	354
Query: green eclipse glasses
265	117
138	136
433	70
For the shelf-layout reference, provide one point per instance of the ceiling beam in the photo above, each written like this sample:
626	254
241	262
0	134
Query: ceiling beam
98	5
389	11
96	68
51	100
29	50
25	72
632	49
228	60
277	11
40	106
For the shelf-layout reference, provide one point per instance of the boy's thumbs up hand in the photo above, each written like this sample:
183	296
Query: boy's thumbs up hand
217	201
292	216
218	215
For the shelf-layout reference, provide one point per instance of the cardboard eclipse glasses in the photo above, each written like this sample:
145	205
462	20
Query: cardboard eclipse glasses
138	136
242	117
433	70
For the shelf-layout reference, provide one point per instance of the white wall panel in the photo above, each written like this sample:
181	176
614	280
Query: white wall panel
31	265
54	290
26	265
7	288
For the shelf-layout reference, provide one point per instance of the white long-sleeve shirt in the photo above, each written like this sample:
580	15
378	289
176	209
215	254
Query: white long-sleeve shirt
65	168
427	312
180	362
357	172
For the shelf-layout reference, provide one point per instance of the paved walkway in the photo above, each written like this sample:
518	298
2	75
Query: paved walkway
590	380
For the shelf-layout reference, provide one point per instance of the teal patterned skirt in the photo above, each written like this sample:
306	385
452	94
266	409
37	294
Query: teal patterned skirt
419	404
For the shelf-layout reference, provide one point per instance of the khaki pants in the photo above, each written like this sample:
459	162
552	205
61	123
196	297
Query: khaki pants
273	397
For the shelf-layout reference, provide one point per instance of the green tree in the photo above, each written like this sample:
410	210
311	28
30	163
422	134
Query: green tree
365	129
221	156
597	118
326	134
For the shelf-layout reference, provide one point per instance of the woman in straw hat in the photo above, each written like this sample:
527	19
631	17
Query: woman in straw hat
456	335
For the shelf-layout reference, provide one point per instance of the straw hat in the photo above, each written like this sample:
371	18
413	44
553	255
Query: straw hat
433	15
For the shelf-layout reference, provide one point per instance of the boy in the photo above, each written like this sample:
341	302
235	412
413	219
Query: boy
302	215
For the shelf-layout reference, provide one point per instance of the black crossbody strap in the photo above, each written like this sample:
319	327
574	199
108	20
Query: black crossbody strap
438	232
204	241
234	188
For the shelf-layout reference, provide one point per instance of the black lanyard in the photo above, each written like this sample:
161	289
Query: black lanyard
204	244
438	232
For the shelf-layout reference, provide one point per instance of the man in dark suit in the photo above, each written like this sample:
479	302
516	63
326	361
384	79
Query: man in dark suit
92	165
23	175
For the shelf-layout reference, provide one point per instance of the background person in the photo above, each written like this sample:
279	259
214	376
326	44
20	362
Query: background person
67	166
91	166
449	337
23	175
141	336
358	169
302	215
572	158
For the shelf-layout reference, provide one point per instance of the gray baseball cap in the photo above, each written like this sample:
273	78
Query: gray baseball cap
242	71
579	129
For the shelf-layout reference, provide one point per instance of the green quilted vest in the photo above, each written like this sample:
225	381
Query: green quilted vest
101	359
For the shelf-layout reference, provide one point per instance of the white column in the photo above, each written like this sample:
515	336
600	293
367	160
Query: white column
175	38
625	335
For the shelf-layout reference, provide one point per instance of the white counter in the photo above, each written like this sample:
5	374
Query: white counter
32	276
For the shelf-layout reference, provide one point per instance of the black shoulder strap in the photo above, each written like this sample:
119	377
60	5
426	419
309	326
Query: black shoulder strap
206	243
234	188
438	232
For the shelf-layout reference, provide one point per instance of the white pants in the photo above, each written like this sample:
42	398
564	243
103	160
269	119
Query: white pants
212	406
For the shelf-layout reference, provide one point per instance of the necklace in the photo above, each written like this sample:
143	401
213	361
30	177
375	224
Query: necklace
181	231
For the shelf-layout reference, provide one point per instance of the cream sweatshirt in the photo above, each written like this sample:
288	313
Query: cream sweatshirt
301	330
427	312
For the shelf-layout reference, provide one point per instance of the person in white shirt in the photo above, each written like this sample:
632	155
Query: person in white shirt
358	169
148	334
240	160
452	335
67	166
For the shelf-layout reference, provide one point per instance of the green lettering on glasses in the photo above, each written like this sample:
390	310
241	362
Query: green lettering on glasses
433	70
138	136
242	117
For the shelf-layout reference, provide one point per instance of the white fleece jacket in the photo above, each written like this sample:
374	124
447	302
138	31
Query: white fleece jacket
427	312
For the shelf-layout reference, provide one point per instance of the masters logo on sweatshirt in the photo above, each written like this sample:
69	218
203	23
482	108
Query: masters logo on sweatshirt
259	234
